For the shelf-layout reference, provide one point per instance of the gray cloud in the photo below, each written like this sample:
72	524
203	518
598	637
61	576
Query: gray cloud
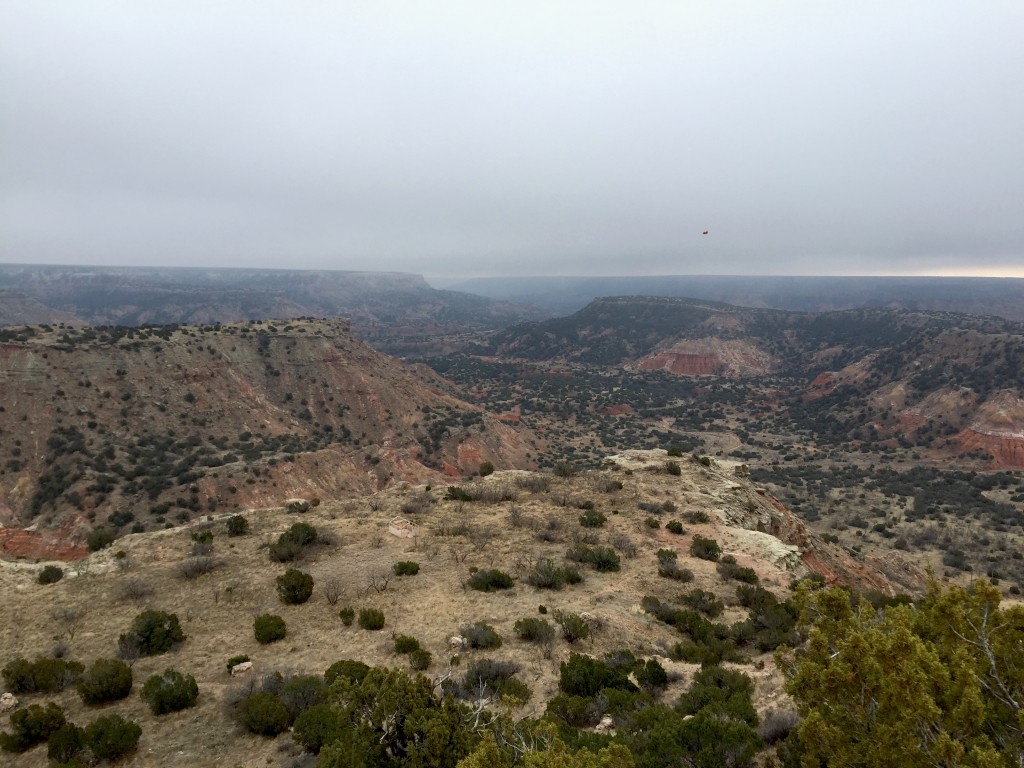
539	138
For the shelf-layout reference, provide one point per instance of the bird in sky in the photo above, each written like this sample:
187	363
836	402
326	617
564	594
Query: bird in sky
705	231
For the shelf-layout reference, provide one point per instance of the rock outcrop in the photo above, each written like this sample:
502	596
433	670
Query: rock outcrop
998	430
711	356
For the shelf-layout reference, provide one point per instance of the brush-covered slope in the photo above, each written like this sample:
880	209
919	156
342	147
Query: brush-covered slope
939	379
146	426
514	522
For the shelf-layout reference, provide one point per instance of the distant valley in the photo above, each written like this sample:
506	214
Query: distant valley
881	427
381	306
563	295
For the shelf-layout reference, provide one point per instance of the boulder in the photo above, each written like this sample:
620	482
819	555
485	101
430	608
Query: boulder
241	669
8	702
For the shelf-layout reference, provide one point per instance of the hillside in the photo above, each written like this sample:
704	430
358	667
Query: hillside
512	521
138	428
946	381
383	307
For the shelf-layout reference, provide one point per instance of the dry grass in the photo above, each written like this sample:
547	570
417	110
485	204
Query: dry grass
217	607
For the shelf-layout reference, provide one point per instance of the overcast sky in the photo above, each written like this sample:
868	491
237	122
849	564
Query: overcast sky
497	137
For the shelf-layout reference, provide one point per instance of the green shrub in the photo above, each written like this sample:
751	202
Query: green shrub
674	526
563	469
454	493
301	692
269	628
673	468
32	725
237	525
652	523
593	518
704	602
599	558
371	619
44	675
284	551
347	615
725	691
697	517
111	736
578	553
576	711
65	744
317	726
650	675
405	568
294	587
170	692
291	544
406	644
486	468
490	580
204	536
584	675
105	680
18	676
348	669
303	534
730	570
674	451
264	714
420	659
481	635
668	566
547	575
50	574
234	661
99	538
534	630
705	548
574	627
713	650
489	676
154	632
604	559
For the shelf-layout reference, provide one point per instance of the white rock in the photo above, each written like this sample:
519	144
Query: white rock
607	725
8	702
457	643
241	669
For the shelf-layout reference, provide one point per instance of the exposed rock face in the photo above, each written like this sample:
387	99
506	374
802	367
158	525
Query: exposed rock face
616	410
765	531
890	575
61	543
822	384
998	429
711	356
